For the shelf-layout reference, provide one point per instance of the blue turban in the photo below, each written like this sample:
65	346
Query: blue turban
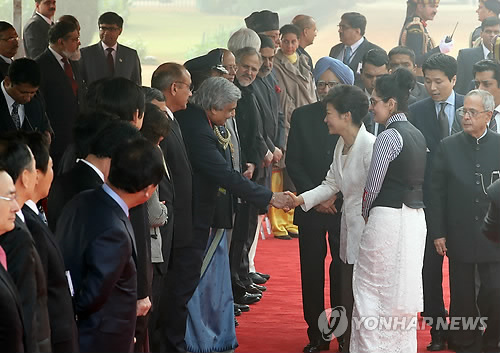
341	70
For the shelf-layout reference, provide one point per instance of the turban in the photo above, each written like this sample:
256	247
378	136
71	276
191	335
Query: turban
263	21
341	70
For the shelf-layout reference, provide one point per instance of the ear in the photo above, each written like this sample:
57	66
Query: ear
25	178
39	175
173	89
7	81
454	80
149	190
120	31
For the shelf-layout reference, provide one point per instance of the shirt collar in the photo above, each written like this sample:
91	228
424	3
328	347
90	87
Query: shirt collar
48	20
6	59
8	98
116	198
497	109
170	114
97	170
104	46
450	100
396	117
356	45
20	214
486	51
31	204
58	56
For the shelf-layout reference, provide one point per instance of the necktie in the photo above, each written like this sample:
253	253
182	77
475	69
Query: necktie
444	124
15	115
111	61
490	56
3	258
493	122
347	55
41	215
68	70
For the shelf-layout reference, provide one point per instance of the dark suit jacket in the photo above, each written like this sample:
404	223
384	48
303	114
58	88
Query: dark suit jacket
62	105
60	305
211	171
177	160
35	117
357	56
35	36
458	202
167	194
11	326
25	268
423	116
309	155
465	60
94	65
66	186
4	68
491	225
98	247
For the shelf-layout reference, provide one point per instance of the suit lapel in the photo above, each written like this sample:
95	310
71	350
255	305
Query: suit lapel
432	120
358	55
8	123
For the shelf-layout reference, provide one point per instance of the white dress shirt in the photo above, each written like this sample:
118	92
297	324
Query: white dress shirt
48	20
101	175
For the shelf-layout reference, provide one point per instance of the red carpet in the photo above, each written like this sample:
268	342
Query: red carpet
276	324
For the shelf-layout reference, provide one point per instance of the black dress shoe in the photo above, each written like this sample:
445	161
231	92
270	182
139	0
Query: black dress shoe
438	343
263	275
243	308
252	289
316	347
256	278
259	287
237	312
248	299
294	235
283	237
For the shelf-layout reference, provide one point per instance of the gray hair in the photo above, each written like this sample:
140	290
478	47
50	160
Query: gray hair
151	94
244	52
486	98
166	74
216	93
303	22
242	38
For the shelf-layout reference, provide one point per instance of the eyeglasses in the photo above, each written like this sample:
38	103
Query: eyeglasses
473	113
231	68
10	199
189	86
343	27
11	39
374	101
108	29
322	84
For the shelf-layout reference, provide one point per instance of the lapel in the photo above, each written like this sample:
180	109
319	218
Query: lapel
432	122
358	55
176	130
119	60
58	70
8	123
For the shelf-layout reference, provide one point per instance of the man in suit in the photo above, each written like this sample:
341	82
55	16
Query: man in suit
485	9
21	105
98	246
405	57
354	45
307	26
9	43
490	28
108	58
36	30
61	84
12	338
434	117
464	166
310	152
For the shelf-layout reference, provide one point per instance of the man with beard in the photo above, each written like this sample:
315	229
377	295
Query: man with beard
36	37
61	84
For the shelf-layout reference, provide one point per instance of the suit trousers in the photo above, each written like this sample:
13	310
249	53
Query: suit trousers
312	246
156	319
463	304
432	282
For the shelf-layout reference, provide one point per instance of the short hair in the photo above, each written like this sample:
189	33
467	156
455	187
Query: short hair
87	126
166	74
93	92
355	20
39	145
490	22
151	94
487	65
120	96
24	70
486	97
290	29
266	42
15	156
397	86
110	18
135	165
242	38
244	52
111	136
156	124
376	57
402	50
303	22
69	18
348	98
442	62
216	93
4	26
60	31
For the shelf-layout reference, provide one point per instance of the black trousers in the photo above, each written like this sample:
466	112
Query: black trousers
157	319
313	247
465	303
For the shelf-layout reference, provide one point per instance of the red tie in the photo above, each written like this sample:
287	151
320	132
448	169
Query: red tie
68	70
3	258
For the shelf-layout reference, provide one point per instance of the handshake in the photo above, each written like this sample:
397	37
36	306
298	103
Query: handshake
284	200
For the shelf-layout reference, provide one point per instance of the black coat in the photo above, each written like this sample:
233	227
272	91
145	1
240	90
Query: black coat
491	226
458	202
59	303
35	36
98	247
357	56
11	326
465	60
4	68
212	171
309	156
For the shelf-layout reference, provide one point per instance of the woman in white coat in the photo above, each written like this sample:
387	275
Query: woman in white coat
346	106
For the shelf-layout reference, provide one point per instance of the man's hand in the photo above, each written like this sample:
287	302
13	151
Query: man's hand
440	245
277	155
295	201
268	159
143	306
281	200
327	206
249	172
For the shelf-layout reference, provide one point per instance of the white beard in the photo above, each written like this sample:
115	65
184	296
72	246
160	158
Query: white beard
75	56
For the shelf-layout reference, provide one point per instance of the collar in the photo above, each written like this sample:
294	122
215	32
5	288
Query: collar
486	51
48	20
423	23
8	98
356	45
97	170
58	56
104	46
116	198
497	109
20	214
367	94
482	139
6	59
394	118
450	100
31	204
170	114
